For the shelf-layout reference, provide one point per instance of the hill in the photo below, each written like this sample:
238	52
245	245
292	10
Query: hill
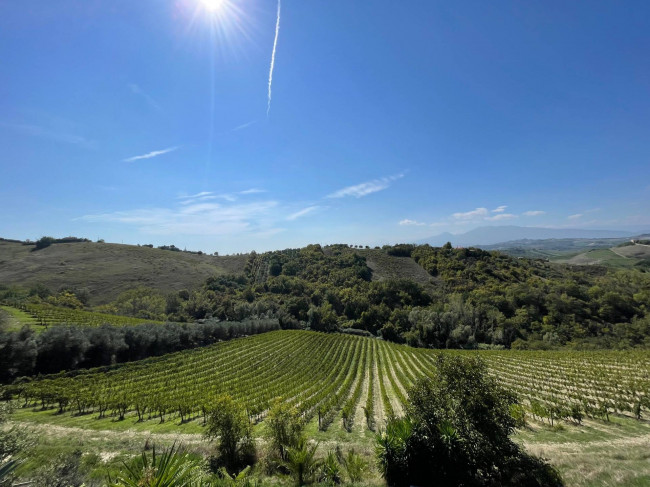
107	269
553	247
506	233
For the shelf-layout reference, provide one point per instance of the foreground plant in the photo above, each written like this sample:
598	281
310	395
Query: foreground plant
457	432
171	468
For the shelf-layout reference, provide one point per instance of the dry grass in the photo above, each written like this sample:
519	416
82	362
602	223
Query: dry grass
108	269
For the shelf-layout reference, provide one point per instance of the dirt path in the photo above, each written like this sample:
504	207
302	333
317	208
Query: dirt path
102	435
613	249
380	415
359	414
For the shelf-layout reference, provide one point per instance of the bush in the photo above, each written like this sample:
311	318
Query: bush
456	431
227	420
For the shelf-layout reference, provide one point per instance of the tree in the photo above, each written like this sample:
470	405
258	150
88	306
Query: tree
284	427
227	420
456	431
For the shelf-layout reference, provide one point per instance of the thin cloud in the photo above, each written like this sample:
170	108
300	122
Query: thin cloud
243	126
407	222
136	90
275	45
252	191
534	213
500	209
574	217
471	215
47	133
303	212
151	154
500	216
196	219
364	189
197	195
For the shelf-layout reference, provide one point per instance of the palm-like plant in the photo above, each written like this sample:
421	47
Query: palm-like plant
301	462
169	469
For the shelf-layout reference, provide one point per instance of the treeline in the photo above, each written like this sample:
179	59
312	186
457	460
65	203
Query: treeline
475	299
63	347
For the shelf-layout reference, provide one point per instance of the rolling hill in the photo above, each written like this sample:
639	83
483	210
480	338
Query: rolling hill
107	269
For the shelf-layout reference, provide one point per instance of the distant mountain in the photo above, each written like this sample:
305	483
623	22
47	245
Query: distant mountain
500	234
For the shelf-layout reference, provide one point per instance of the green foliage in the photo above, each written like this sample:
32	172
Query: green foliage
62	471
284	427
355	466
44	242
302	463
228	422
331	472
456	430
172	468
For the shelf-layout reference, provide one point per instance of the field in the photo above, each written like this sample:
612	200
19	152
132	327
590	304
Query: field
606	257
41	316
347	386
106	269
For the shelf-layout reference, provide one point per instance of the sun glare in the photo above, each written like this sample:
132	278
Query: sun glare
213	5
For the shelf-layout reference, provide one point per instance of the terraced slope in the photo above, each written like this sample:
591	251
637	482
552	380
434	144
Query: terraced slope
329	376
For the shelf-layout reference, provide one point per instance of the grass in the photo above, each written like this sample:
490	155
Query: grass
606	257
16	319
386	266
106	269
597	453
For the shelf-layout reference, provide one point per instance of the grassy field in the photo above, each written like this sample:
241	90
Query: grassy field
605	257
108	269
16	319
326	373
386	266
598	453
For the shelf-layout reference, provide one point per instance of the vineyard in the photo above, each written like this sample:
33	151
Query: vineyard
47	315
335	379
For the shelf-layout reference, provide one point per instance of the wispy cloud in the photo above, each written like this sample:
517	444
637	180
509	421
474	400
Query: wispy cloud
534	213
303	212
48	133
364	189
201	218
574	217
275	46
406	222
500	209
500	217
244	125
151	154
136	90
471	215
252	191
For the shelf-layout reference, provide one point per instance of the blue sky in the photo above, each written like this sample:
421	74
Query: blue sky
146	122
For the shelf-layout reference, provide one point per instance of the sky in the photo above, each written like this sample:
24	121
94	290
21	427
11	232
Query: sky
240	125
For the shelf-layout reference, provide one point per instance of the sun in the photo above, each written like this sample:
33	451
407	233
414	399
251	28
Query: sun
213	6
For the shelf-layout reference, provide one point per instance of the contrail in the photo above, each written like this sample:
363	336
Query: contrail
275	45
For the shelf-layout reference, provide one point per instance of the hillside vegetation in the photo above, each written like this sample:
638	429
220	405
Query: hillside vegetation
425	296
104	270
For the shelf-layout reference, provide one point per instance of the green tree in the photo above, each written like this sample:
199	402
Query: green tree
227	421
284	427
457	432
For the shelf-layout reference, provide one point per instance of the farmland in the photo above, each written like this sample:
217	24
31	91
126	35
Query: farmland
40	316
345	387
338	381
